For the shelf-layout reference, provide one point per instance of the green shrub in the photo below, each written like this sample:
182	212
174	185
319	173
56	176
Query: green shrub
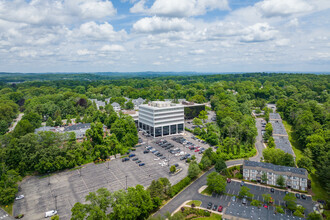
180	185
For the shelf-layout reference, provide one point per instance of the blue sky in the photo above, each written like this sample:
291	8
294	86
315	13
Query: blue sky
164	35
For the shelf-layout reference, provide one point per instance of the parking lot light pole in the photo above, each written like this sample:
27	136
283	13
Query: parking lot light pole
55	202
108	164
126	182
48	178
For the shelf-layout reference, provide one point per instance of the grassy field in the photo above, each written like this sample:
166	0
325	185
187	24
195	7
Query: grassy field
319	192
8	208
196	202
212	217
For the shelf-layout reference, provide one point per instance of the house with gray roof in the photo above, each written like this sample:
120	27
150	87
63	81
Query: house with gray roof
116	106
295	178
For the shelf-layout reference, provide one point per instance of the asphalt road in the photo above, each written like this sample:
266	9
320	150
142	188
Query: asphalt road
4	215
259	141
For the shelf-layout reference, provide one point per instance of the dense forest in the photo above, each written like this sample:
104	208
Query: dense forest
303	100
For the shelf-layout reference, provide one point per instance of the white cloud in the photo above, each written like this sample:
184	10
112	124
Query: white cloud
181	8
113	48
273	8
198	52
95	31
161	24
83	52
258	32
52	12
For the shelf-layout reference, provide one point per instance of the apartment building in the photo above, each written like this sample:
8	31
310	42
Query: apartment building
295	178
161	118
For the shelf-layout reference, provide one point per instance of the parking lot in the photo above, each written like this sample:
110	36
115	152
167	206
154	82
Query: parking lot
234	188
67	188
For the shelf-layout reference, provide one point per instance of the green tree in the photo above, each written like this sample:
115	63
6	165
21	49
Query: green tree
266	197
290	200
22	128
216	182
305	162
298	214
271	143
197	131
58	121
55	217
264	177
203	115
193	170
173	169
95	133
197	121
220	165
3	127
314	216
129	105
49	122
245	192
279	209
205	162
280	181
256	203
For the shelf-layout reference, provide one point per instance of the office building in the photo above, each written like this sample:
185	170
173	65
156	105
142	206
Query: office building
161	118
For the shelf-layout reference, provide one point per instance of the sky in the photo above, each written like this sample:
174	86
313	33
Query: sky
164	35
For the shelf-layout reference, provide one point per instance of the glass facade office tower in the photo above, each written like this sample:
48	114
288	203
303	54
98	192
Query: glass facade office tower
161	118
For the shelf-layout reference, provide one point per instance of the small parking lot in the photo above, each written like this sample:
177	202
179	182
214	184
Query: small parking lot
234	188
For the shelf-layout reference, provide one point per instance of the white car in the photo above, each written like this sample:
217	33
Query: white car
50	213
157	158
19	197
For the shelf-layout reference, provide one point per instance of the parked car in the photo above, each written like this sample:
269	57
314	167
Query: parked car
272	190
134	159
131	155
139	161
303	196
163	157
244	201
142	164
19	197
266	206
50	213
196	150
125	159
242	183
220	208
228	180
298	195
286	192
146	151
233	198
215	207
209	205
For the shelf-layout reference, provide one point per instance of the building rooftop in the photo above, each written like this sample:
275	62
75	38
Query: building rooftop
274	116
278	127
270	166
161	104
283	143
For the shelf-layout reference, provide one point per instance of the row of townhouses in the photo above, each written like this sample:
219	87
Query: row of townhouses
295	178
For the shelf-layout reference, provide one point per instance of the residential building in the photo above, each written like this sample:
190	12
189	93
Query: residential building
280	135
161	118
137	102
115	106
295	178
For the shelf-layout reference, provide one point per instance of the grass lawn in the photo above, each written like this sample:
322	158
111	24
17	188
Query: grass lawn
212	217
319	192
206	192
8	208
196	202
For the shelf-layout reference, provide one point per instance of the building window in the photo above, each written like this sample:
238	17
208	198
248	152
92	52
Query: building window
152	131
158	131
180	128
173	129
166	130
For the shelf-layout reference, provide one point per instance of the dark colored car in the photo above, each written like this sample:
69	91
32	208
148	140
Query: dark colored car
135	159
131	155
125	159
159	155
183	158
163	158
215	207
209	205
303	196
228	180
139	161
298	195
272	190
242	183
142	164
146	151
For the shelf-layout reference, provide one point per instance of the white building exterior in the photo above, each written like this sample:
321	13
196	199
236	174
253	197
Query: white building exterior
161	118
295	178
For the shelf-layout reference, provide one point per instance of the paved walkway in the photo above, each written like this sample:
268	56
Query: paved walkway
19	117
